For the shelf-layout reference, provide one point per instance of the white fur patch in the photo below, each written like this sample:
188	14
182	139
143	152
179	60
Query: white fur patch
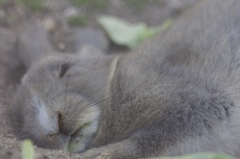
89	116
49	124
91	128
23	80
78	143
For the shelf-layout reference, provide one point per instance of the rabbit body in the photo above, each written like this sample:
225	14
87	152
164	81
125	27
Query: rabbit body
176	94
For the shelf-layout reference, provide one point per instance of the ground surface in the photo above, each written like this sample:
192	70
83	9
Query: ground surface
15	15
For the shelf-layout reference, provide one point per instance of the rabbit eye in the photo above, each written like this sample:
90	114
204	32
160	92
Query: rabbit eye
64	68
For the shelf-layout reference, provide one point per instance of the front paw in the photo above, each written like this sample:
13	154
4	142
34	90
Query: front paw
96	154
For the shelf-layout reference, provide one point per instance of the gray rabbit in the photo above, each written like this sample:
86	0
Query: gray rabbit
176	94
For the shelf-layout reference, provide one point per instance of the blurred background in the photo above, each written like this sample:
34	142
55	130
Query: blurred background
63	18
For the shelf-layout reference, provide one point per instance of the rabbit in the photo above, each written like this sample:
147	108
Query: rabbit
176	94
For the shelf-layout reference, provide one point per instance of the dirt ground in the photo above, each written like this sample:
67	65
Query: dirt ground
15	15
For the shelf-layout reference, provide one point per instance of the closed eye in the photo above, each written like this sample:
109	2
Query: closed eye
64	68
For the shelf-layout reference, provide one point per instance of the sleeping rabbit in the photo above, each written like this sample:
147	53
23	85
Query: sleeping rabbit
176	94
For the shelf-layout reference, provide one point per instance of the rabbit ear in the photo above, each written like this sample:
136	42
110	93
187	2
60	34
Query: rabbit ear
33	44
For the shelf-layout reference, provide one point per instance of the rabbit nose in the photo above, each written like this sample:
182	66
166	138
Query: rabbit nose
64	125
62	129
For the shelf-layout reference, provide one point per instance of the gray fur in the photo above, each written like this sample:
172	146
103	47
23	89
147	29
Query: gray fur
176	94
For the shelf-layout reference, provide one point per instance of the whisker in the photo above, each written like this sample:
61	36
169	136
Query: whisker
95	103
97	59
96	91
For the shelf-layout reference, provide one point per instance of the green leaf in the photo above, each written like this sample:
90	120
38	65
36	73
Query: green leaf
27	149
124	33
200	156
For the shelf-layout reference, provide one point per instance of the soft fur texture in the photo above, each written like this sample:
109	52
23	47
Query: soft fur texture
176	94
